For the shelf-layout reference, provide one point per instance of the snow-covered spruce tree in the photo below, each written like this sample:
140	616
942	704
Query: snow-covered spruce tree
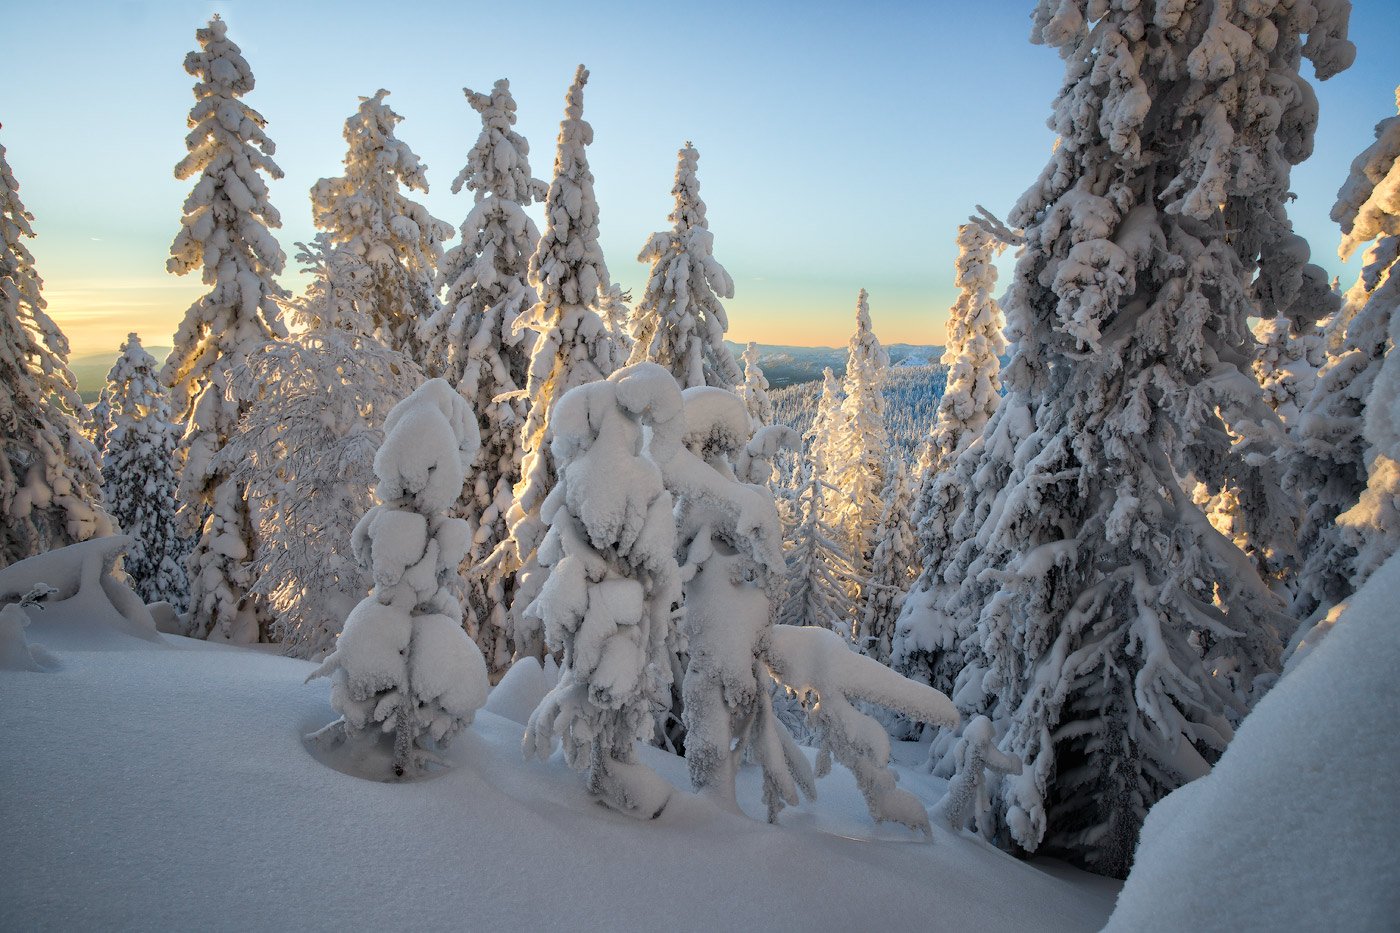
679	321
473	342
754	390
732	565
1332	457
818	566
404	665
973	358
138	472
892	567
615	308
572	348
224	233
857	450
613	582
50	488
1369	209
366	212
1123	630
304	450
826	425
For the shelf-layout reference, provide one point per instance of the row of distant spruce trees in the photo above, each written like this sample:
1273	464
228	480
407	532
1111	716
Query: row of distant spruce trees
1111	548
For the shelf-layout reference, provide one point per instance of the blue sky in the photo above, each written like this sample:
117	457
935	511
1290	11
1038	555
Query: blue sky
841	143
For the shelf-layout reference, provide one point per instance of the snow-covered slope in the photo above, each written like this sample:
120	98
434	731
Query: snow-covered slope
1295	828
166	786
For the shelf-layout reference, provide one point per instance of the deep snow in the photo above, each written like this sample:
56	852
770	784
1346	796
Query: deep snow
167	786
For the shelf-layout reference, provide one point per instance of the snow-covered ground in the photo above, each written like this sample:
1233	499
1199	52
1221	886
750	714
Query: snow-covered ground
165	785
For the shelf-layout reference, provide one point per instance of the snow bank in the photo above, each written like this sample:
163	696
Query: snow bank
1295	828
84	573
208	813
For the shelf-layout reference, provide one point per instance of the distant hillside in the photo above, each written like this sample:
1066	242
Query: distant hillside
911	398
786	366
91	370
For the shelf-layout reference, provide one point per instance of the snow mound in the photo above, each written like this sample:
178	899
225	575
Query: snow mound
84	580
16	654
1295	827
522	688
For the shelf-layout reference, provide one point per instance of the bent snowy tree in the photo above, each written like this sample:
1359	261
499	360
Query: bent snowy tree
403	664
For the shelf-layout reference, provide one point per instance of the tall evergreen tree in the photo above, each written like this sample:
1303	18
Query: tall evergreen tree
224	233
859	444
679	322
754	390
1334	443
1121	631
138	471
50	489
892	567
1368	208
572	347
473	341
366	212
926	638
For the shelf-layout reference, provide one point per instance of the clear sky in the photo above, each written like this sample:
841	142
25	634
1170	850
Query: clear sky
841	143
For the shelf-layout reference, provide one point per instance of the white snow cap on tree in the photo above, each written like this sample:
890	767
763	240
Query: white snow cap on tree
679	321
572	348
1114	628
613	580
474	343
138	469
366	212
1371	202
224	232
403	663
50	488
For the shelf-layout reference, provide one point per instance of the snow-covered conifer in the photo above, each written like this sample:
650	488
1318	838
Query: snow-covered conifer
366	212
138	471
473	342
892	567
975	754
679	321
1116	629
972	354
304	450
404	665
754	389
612	583
1368	207
224	233
615	308
970	397
572	348
859	445
818	564
1334	434
50	488
826	424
